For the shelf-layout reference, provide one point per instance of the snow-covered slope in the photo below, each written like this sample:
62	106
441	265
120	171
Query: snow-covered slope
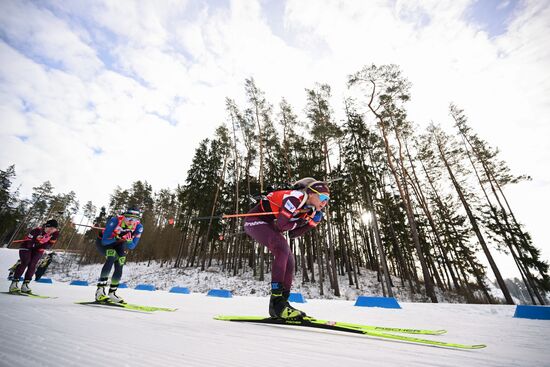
57	332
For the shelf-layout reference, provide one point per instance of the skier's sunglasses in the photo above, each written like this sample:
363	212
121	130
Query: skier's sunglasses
322	196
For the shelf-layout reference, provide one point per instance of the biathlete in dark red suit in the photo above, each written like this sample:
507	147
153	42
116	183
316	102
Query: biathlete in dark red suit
121	233
298	211
31	251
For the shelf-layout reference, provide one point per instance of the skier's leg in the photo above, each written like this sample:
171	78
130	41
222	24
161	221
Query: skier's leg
12	269
119	264
24	260
110	257
268	236
117	275
35	256
289	272
287	284
25	257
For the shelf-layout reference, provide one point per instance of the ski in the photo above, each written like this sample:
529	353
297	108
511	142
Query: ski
30	295
343	324
335	327
127	306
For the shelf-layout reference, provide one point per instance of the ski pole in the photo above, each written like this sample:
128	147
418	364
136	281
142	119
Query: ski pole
225	216
82	225
85	225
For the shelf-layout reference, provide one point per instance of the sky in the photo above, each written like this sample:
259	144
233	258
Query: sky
99	94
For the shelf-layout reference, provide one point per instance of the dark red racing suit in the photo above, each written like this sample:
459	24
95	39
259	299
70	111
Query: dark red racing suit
267	229
31	251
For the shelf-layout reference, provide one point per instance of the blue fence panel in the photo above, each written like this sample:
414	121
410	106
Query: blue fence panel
182	290
123	285
532	312
385	302
79	282
45	280
145	287
219	293
297	298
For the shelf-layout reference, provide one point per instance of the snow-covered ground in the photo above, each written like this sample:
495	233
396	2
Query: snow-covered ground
57	332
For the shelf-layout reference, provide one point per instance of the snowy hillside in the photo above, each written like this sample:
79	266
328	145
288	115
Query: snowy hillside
65	268
57	332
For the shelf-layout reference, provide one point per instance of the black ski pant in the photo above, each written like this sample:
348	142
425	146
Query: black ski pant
115	254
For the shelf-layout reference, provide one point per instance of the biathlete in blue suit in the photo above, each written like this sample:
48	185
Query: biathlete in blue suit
121	233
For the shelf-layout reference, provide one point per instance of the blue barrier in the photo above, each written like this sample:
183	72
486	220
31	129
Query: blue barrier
123	285
45	280
79	282
297	298
385	302
145	287
219	293
181	290
532	312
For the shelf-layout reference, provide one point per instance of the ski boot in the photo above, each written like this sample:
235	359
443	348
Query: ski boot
14	286
25	287
286	295
100	295
279	307
114	298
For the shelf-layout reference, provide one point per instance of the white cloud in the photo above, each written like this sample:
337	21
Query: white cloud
47	37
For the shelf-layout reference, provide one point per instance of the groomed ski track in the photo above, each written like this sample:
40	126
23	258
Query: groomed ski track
57	332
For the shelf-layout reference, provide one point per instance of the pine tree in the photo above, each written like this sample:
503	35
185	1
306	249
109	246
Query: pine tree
445	146
387	91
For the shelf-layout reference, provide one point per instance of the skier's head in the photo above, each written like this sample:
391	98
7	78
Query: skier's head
131	217
51	226
132	212
318	194
303	183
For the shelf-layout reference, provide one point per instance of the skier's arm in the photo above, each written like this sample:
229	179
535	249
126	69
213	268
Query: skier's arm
288	209
109	228
32	238
135	240
311	223
51	242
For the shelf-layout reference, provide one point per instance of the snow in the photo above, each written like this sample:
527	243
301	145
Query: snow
57	332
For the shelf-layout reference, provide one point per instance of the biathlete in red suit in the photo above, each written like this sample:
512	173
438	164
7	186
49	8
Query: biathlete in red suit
31	251
298	211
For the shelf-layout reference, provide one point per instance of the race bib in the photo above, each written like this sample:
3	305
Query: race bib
290	207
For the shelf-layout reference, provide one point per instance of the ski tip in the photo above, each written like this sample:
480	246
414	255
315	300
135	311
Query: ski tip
228	317
440	332
478	346
239	318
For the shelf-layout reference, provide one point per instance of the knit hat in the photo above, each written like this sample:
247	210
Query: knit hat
51	223
318	187
132	212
